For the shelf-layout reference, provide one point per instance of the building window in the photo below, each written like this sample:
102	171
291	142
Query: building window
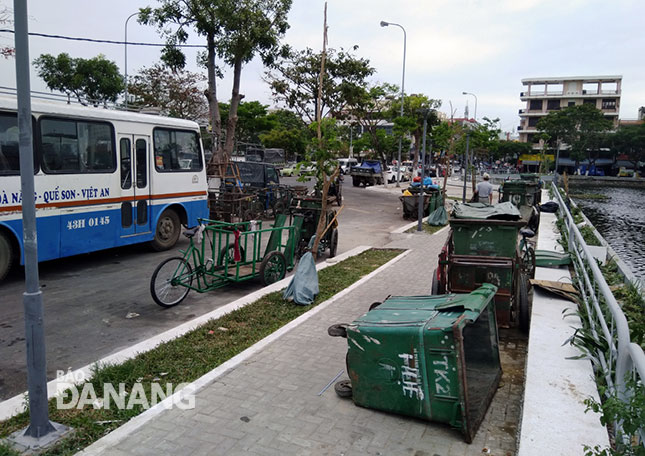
608	103
535	105
533	121
591	102
553	105
571	103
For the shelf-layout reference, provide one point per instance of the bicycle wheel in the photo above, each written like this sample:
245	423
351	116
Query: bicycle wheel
228	253
528	261
170	281
435	283
273	268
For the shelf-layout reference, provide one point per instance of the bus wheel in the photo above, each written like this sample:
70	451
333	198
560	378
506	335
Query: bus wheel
6	256
167	231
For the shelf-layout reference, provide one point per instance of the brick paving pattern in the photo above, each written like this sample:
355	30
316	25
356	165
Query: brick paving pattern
269	405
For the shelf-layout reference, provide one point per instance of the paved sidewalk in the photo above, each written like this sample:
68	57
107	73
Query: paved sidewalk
269	405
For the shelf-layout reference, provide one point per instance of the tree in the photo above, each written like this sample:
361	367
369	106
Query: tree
252	120
235	32
412	122
5	18
629	140
289	132
294	81
95	80
178	93
511	150
581	127
370	107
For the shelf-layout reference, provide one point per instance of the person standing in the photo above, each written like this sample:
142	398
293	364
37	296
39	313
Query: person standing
484	190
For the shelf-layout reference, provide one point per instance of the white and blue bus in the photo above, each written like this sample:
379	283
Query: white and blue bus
103	178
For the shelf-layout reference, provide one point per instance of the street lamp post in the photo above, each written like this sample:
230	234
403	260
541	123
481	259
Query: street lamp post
125	46
468	93
385	24
467	144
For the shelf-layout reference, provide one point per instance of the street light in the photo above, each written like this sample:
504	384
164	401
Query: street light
385	24
468	93
467	144
125	46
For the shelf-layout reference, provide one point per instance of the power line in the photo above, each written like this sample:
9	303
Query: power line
92	40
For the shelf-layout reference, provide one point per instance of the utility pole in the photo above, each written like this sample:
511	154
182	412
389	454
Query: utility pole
40	432
423	170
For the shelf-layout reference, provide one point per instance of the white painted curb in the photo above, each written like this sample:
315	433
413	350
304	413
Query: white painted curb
15	405
113	438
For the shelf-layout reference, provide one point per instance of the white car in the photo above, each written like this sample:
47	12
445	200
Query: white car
391	172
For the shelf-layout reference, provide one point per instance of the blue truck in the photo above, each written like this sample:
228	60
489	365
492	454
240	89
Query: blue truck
367	173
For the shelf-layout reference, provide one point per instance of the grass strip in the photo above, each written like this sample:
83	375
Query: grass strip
192	355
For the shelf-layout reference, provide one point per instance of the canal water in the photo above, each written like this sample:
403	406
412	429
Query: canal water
620	218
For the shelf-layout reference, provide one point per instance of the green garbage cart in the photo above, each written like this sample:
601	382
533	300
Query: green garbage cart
484	250
520	192
430	357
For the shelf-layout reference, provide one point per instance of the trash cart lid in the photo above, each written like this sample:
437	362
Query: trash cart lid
440	312
500	211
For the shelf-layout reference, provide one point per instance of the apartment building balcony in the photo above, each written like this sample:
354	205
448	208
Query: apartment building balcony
525	96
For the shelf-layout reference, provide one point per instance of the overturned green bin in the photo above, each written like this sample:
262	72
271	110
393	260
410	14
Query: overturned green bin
430	357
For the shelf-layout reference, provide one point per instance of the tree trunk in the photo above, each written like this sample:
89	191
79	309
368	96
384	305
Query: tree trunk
213	105
232	113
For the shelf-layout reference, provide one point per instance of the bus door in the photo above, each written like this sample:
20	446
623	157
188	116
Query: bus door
134	153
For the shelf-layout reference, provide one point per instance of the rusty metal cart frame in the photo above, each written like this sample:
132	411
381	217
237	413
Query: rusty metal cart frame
226	253
510	272
305	213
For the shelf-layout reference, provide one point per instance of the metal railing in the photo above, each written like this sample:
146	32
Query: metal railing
620	359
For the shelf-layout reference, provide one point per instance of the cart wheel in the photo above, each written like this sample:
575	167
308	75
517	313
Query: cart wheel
278	208
338	330
170	281
435	283
374	305
333	243
524	316
528	261
273	268
343	388
228	252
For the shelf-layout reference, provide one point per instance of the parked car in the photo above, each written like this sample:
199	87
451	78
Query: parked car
346	164
289	170
391	172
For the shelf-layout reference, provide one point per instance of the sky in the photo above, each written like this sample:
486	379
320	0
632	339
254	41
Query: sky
485	47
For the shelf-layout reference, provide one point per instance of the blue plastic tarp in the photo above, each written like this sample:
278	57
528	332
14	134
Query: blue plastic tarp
303	287
372	164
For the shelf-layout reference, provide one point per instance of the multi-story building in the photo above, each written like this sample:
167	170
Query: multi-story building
545	95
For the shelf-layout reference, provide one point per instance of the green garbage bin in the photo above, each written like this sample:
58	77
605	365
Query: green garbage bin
520	192
430	357
485	237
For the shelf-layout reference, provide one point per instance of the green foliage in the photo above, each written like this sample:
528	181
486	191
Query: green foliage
178	93
5	18
6	450
252	120
294	78
235	31
93	81
631	300
582	127
630	413
588	235
510	150
630	141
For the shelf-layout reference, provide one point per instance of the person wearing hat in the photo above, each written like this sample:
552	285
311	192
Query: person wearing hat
484	191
